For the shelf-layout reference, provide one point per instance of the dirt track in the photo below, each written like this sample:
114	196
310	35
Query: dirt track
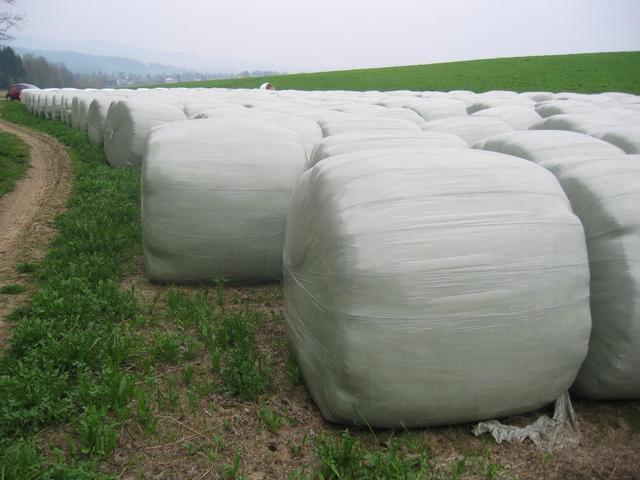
27	213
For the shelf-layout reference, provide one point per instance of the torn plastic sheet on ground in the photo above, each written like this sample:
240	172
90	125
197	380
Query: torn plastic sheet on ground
547	433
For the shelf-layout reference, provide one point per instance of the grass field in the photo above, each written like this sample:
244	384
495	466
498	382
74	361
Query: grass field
14	161
588	73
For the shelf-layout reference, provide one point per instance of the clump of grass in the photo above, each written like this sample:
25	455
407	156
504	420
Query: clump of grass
270	418
12	289
236	357
96	432
346	458
26	267
14	161
165	347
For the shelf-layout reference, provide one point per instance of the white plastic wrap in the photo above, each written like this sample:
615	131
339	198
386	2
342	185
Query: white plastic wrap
97	115
537	96
434	288
488	102
308	130
127	125
469	129
519	117
437	108
79	110
539	145
605	195
357	141
214	200
627	138
587	123
358	123
557	107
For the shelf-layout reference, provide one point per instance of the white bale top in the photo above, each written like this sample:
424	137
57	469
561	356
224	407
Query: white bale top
470	129
356	141
519	117
539	145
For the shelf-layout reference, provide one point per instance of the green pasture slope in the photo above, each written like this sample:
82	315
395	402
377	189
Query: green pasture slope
587	73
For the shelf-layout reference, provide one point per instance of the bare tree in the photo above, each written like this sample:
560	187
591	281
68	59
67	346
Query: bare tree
9	19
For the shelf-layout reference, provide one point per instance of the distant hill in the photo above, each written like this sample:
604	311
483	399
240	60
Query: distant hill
588	73
85	63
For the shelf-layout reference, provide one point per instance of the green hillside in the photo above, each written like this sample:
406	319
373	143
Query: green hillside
588	73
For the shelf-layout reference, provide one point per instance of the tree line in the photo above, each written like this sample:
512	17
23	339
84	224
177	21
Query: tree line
38	71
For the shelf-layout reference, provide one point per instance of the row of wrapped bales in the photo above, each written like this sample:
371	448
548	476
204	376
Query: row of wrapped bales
425	282
603	185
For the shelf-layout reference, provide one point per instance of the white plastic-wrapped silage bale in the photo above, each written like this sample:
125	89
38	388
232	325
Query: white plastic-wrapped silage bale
537	96
96	116
401	113
358	123
434	288
357	141
557	107
79	110
470	129
437	108
605	195
539	145
489	102
587	123
308	130
127	125
519	117
626	137
214	200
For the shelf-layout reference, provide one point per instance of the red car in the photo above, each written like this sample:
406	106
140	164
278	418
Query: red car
14	90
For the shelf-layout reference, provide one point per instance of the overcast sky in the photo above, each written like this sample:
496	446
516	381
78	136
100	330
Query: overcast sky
298	35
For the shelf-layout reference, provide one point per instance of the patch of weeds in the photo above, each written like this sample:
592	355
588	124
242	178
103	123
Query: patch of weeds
236	357
12	289
458	468
20	460
300	473
189	310
345	458
220	290
296	449
26	267
293	371
234	471
270	418
96	433
188	374
217	445
144	411
165	347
